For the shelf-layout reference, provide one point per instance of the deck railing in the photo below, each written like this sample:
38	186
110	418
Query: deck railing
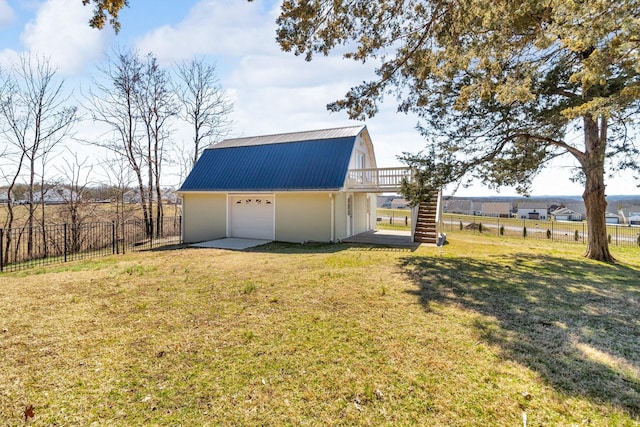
377	179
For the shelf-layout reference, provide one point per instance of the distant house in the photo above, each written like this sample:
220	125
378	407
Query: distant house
456	206
383	202
611	218
536	211
566	214
132	196
634	218
169	196
578	207
4	197
55	195
496	209
629	211
399	204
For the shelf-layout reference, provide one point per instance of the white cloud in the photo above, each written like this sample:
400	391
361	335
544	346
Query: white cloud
213	27
8	58
60	31
286	70
7	16
281	93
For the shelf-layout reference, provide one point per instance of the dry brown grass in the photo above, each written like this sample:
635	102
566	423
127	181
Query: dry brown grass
475	333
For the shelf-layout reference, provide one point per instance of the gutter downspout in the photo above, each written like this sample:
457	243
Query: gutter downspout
414	220
439	219
333	214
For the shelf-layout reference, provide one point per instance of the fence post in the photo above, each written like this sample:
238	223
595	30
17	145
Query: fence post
113	237
65	242
552	232
583	232
1	249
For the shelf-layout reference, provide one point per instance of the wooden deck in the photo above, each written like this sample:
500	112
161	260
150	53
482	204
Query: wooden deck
378	180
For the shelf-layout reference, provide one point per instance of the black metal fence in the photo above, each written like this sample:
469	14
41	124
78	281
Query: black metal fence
26	247
565	231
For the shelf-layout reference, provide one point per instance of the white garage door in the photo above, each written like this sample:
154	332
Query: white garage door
252	217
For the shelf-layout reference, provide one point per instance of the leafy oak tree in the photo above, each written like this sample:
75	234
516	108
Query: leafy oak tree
501	86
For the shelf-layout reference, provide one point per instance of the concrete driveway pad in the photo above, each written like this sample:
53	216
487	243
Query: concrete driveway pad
233	243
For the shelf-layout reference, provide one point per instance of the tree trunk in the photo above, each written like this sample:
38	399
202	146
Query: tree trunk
159	207
594	190
143	198
150	225
8	225
32	207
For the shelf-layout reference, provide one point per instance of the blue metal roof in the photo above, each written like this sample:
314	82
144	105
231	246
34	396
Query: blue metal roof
319	164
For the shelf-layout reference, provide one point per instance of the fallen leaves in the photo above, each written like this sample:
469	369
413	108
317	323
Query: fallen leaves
28	413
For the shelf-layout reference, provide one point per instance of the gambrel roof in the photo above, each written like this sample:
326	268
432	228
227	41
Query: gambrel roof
302	161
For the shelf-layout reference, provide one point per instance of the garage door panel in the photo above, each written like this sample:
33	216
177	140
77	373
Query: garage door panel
252	217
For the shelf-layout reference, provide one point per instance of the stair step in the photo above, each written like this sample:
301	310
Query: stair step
433	241
433	231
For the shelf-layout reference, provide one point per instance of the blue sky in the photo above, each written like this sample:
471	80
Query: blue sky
272	91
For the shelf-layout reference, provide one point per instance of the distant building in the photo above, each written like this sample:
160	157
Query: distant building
4	197
578	207
132	196
169	196
399	204
630	213
455	206
611	218
634	218
383	202
496	209
536	211
566	214
55	196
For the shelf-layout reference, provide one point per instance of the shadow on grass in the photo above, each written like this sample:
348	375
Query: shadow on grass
164	248
575	323
320	247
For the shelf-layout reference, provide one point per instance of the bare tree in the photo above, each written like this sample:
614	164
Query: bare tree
205	104
75	175
114	102
120	179
134	96
35	119
11	165
12	160
157	107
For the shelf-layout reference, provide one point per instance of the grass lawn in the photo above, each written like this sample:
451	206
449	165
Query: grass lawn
485	331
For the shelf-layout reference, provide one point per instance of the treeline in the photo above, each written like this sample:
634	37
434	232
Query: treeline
136	104
60	193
